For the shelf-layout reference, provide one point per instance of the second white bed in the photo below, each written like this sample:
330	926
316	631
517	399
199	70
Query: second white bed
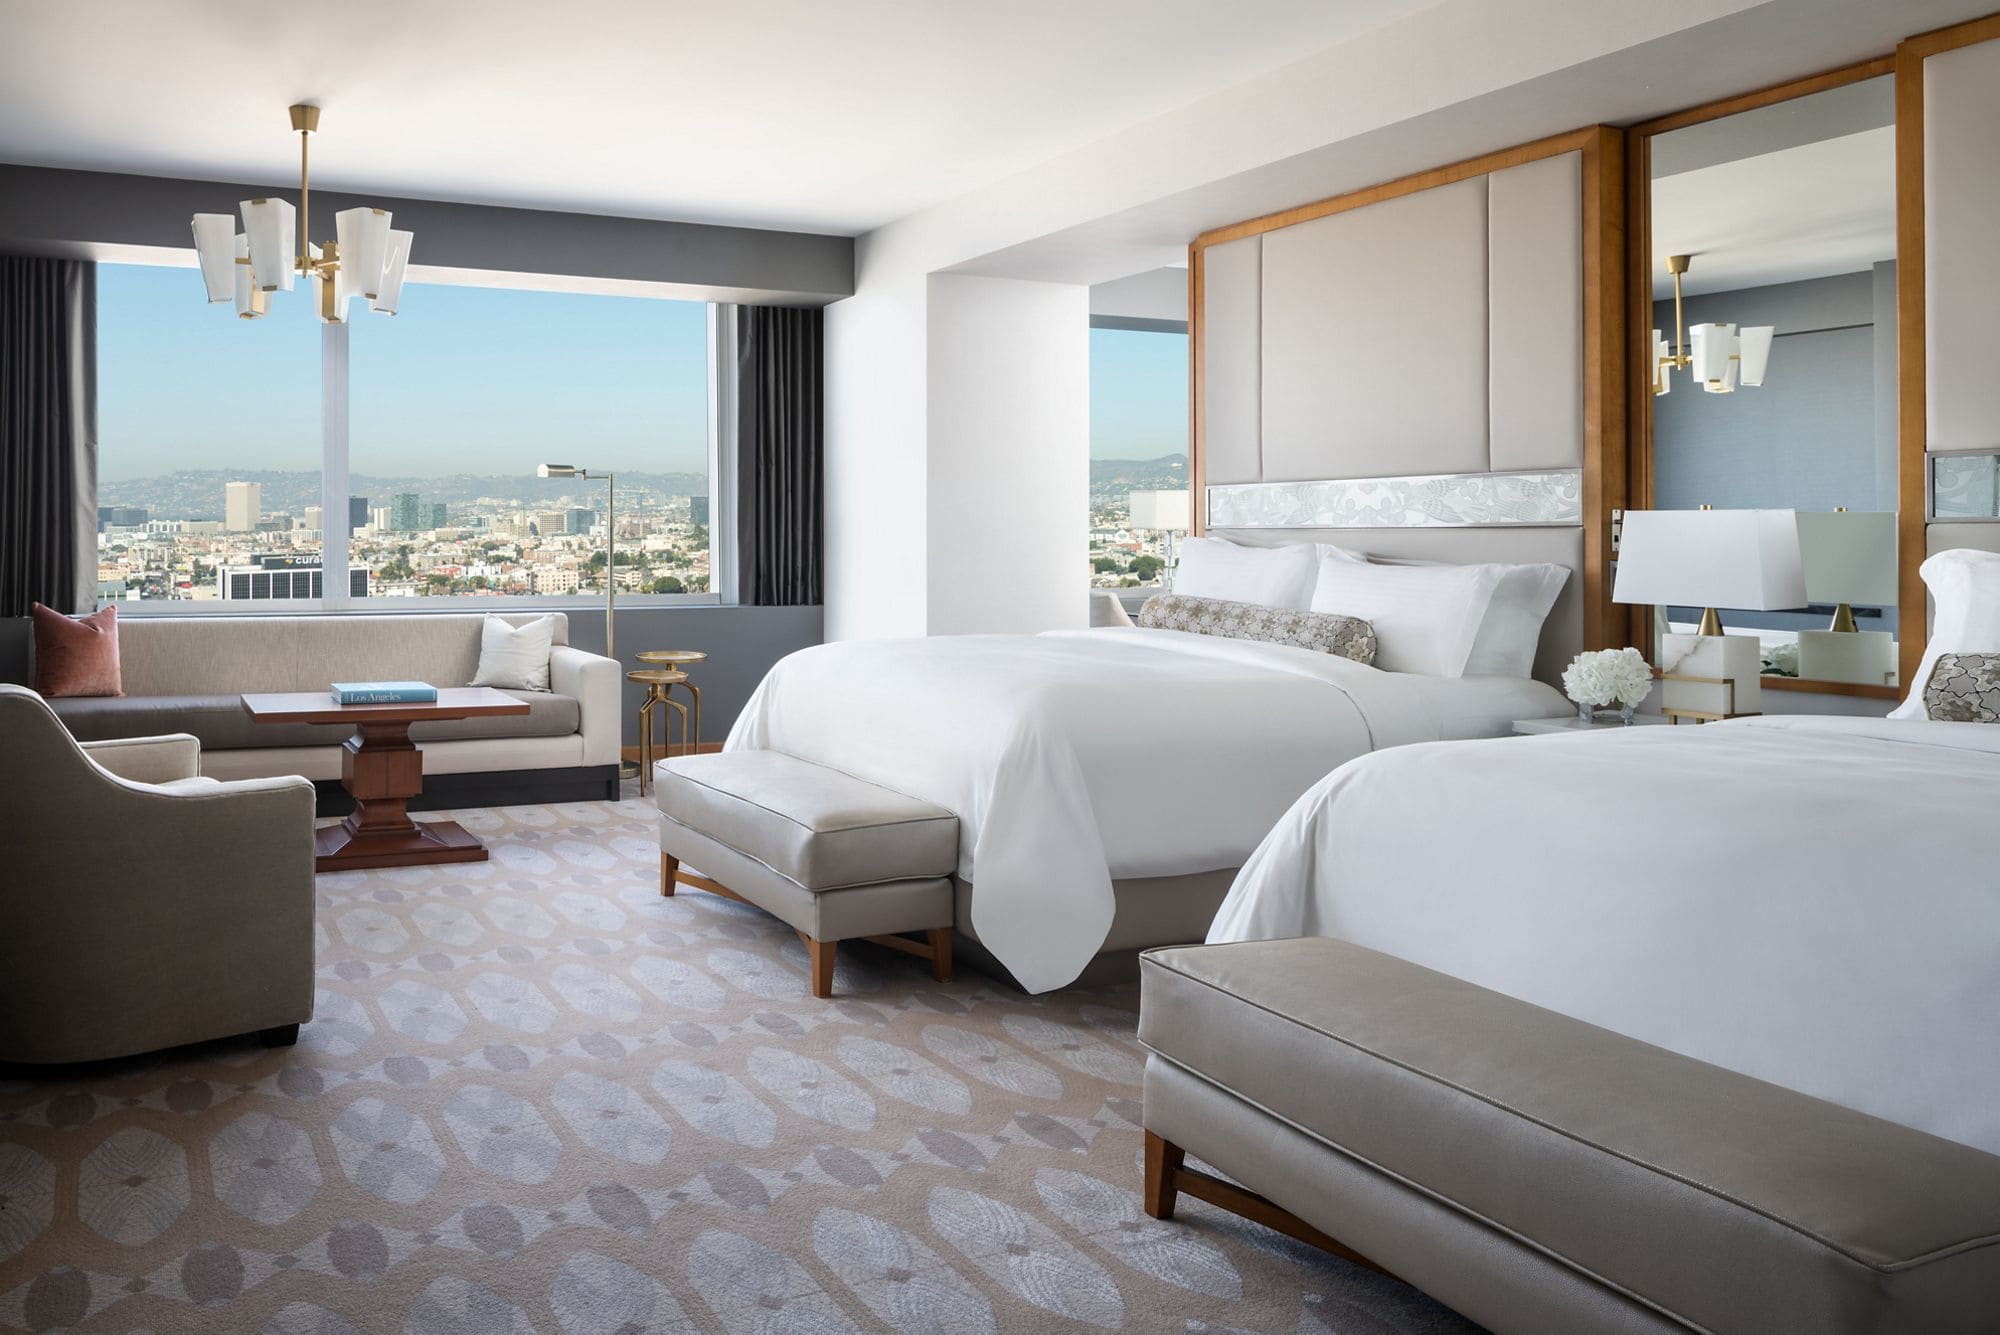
1077	757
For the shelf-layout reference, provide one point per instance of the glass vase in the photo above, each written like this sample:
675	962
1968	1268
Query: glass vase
1585	714
1626	713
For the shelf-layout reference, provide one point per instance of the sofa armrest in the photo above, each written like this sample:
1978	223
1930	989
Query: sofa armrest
593	681
148	759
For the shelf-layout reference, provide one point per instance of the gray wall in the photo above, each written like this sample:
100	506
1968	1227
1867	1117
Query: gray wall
49	211
1810	437
741	643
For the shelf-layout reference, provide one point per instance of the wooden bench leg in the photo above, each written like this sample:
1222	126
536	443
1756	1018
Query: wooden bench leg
1163	1166
940	953
670	867
822	964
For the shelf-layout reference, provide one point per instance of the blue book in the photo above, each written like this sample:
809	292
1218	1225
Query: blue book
384	693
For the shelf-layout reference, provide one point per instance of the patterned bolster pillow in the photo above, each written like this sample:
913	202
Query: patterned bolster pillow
1327	632
1964	688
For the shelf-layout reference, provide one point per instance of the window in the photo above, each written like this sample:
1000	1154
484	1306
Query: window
212	462
208	465
1138	442
455	403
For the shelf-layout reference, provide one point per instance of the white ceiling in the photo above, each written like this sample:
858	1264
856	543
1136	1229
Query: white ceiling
823	115
1809	211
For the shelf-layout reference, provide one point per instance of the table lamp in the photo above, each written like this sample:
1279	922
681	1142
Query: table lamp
1710	559
1849	557
1169	512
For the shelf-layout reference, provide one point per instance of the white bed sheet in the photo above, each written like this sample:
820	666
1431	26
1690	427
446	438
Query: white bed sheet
1812	901
1075	757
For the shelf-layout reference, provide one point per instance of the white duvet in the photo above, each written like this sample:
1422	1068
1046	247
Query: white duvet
1812	901
1075	757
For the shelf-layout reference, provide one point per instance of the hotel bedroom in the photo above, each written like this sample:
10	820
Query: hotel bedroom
1498	840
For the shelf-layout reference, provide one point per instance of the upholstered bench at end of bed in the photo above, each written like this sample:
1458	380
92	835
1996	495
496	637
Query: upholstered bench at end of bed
834	857
1538	1173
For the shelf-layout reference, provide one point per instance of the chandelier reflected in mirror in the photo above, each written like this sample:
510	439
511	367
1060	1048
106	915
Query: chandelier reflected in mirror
366	258
1721	356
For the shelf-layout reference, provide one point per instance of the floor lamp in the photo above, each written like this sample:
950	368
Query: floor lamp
626	769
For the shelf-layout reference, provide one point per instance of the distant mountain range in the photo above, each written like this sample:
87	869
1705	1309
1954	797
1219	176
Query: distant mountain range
1110	479
197	493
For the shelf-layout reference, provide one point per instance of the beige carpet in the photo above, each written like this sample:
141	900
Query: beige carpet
537	1096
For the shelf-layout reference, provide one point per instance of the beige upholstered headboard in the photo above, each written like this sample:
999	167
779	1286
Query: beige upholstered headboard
1428	369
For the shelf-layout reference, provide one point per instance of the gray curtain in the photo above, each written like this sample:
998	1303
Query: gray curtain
48	434
779	455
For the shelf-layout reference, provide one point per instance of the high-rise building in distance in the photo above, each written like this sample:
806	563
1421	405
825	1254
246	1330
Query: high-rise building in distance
120	516
580	520
242	506
435	515
698	509
357	512
405	512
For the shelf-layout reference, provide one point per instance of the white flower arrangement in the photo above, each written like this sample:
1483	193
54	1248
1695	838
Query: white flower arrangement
1607	676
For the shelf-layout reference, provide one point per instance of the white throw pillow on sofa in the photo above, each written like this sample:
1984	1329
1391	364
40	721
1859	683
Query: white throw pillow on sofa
515	658
1266	576
1965	584
1425	617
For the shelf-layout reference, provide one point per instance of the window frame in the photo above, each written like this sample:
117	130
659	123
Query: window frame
335	454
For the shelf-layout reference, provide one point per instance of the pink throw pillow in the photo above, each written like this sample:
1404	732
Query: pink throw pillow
76	655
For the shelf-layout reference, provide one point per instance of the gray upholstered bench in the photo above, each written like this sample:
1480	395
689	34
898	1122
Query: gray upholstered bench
1538	1173
833	856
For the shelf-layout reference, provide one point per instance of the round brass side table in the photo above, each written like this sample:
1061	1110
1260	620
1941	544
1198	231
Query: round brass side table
658	682
680	660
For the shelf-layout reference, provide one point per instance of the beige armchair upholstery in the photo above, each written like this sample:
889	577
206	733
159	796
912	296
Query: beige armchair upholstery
141	905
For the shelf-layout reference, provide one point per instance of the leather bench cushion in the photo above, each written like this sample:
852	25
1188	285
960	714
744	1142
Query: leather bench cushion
1730	1202
817	826
221	723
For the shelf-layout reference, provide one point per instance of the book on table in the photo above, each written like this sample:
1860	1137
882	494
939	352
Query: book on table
384	693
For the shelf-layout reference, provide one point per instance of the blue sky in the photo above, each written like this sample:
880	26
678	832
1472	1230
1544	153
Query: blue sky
476	380
1138	394
463	380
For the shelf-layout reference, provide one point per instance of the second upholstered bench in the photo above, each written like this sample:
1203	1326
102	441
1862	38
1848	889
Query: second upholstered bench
833	856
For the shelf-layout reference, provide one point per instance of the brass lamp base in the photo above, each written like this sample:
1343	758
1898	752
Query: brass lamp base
1711	622
1843	620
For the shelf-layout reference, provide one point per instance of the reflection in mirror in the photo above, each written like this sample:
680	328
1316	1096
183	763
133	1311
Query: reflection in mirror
1774	358
1965	486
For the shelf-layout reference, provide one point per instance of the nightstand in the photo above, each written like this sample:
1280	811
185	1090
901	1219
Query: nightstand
1534	727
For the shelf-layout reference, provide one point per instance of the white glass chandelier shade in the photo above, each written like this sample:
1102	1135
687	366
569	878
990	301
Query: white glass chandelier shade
270	224
1712	348
392	273
215	247
1663	380
249	302
1753	347
363	235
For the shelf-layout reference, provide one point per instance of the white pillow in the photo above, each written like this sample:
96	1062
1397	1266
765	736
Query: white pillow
1425	617
515	658
1266	576
1965	583
1507	638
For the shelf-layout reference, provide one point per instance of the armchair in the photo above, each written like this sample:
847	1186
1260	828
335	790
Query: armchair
141	905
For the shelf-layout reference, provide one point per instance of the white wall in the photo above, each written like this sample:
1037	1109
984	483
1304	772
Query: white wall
1009	446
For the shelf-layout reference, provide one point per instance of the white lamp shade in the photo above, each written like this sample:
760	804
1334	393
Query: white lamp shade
1663	379
270	223
1754	351
244	286
215	247
1713	346
363	234
1168	510
1849	556
392	273
1746	559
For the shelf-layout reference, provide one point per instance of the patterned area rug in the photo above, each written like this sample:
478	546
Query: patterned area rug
536	1096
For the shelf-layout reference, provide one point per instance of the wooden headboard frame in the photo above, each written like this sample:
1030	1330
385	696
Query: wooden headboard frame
1602	151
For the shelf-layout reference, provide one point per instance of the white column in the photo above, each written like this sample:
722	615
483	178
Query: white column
333	486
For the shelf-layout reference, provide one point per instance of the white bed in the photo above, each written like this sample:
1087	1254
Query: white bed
1079	757
1813	901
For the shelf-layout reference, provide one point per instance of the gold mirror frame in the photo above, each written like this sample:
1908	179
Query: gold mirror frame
1639	339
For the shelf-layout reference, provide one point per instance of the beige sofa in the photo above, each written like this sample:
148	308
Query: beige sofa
185	674
145	907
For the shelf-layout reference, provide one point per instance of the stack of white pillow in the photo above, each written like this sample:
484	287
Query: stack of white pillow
1437	620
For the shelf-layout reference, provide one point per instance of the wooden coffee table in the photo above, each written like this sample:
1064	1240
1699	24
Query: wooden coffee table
382	769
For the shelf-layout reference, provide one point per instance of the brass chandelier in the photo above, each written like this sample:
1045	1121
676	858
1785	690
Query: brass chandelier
1720	355
366	258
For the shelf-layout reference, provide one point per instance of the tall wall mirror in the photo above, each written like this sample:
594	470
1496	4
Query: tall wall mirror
1769	343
